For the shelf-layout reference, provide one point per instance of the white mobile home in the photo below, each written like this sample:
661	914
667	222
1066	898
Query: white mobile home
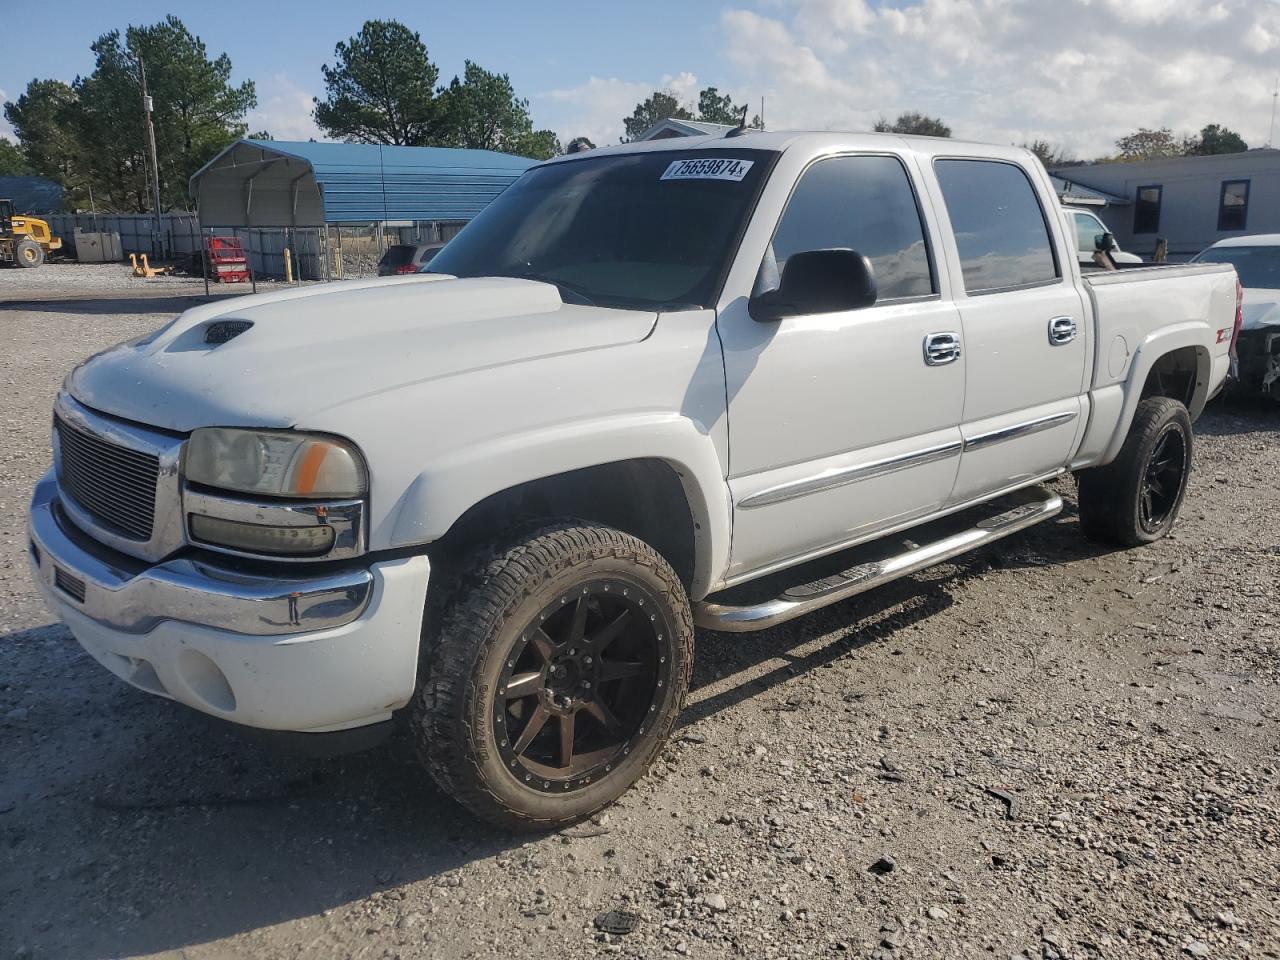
1189	201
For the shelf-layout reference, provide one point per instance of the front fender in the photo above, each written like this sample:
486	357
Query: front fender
453	483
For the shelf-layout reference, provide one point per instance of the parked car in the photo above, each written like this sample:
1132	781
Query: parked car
713	381
402	258
1090	232
1257	261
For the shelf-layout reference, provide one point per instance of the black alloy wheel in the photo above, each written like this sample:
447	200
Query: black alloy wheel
1136	498
579	684
554	665
1163	480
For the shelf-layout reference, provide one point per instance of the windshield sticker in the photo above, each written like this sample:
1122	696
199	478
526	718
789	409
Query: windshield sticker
707	168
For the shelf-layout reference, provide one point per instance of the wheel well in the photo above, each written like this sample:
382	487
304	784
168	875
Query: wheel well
1175	375
643	497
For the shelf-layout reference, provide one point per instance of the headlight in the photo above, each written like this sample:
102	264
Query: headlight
275	463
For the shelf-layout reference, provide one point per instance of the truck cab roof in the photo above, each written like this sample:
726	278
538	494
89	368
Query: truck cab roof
815	142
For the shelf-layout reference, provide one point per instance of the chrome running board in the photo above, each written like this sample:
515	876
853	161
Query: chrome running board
1000	518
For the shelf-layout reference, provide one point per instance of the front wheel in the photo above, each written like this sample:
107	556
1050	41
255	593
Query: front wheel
1135	499
28	253
556	672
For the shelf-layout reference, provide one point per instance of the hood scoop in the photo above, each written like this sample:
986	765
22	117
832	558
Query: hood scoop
220	331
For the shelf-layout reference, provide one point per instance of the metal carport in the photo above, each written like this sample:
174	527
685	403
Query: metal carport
271	187
271	183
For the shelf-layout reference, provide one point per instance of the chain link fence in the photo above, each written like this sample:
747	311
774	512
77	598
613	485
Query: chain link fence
332	252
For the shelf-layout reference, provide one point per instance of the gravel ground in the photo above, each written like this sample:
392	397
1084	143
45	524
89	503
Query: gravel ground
1044	750
107	279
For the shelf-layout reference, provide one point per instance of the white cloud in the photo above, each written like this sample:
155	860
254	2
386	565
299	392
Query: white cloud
595	109
6	130
1079	73
284	110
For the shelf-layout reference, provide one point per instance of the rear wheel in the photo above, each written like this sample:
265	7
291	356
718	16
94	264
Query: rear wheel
28	253
556	673
1135	499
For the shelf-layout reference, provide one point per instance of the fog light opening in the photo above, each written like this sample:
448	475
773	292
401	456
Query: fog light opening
206	681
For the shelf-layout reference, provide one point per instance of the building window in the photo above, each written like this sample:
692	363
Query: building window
1146	209
1233	205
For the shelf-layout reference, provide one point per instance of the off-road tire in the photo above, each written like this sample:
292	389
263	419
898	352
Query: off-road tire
489	604
27	253
1110	496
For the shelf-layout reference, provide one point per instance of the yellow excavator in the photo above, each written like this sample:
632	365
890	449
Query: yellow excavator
24	241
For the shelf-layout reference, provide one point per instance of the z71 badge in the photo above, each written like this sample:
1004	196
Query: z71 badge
707	168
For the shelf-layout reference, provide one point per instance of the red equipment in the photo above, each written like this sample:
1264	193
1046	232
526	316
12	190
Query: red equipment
225	259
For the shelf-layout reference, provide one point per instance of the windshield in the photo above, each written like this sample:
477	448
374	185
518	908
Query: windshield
641	230
1256	266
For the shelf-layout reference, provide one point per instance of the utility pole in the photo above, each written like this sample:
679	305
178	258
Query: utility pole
157	244
1274	96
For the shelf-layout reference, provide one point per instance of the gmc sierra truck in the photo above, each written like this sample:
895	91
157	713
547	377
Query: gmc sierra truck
712	381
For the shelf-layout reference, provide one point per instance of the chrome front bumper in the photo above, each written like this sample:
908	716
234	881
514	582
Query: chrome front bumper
131	596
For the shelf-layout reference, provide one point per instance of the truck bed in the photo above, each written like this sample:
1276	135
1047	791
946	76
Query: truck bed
1141	314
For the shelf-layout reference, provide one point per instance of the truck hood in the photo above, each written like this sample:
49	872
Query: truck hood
1261	308
309	349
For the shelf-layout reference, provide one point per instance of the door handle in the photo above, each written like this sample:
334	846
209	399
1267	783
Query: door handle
940	348
1062	330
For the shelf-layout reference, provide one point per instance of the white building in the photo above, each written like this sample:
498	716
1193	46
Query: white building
1190	201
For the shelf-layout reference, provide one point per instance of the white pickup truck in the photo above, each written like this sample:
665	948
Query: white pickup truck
722	381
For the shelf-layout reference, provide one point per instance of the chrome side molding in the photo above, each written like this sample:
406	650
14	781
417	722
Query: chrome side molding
839	476
1018	430
1037	504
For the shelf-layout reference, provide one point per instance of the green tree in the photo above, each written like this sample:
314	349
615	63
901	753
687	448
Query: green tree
382	89
658	107
1051	155
197	107
196	111
482	112
536	145
713	107
1148	144
12	161
913	123
43	117
108	116
1214	139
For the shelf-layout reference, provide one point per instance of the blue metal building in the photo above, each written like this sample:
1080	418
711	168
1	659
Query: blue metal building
273	184
34	195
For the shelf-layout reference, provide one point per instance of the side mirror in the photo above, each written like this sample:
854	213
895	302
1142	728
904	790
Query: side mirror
1105	241
818	281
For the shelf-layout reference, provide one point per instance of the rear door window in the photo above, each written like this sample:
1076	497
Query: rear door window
1000	228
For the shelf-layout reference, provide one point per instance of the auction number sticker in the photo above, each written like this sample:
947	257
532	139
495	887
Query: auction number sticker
707	168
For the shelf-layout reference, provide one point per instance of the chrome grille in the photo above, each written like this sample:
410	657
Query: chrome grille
113	484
